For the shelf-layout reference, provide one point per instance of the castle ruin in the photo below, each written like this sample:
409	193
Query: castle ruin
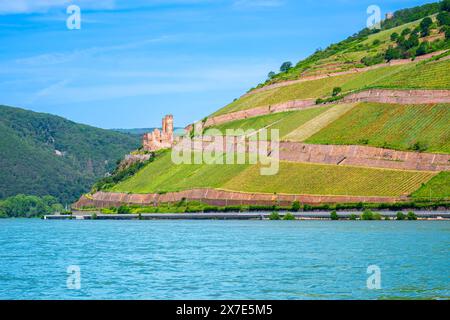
158	139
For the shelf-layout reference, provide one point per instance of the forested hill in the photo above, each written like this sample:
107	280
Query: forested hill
42	154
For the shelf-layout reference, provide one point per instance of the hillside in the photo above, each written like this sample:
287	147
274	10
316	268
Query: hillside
352	131
44	154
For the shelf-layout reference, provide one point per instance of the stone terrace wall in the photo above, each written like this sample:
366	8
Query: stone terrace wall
260	111
400	96
220	198
363	156
352	155
373	95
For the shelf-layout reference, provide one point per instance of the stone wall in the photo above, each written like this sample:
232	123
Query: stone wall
352	155
373	95
220	198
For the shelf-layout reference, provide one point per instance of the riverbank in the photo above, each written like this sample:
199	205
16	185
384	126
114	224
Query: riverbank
320	215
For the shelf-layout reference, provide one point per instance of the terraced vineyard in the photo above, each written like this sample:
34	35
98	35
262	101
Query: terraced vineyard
298	178
165	176
422	75
284	122
432	75
313	126
401	127
438	187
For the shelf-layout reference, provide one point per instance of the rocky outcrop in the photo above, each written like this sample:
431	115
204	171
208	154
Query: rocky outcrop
220	198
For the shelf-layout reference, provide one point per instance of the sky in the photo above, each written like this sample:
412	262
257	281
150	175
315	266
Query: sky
133	61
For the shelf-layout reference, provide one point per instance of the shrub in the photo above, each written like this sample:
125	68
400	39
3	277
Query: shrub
394	36
123	210
370	61
367	215
296	206
289	216
423	48
376	42
94	216
336	91
405	32
353	217
392	54
334	215
274	216
411	216
445	5
271	75
377	216
400	216
419	146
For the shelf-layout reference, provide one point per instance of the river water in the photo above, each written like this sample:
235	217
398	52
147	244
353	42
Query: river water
223	259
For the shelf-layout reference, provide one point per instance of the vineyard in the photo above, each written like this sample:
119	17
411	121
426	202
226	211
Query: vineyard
400	127
437	187
284	122
298	178
421	75
315	125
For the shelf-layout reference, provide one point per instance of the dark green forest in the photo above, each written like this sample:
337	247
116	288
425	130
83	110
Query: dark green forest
42	154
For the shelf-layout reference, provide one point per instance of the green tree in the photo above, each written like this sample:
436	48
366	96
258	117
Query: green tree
443	18
271	75
289	216
336	91
423	48
445	5
274	216
367	215
123	210
286	66
392	54
411	216
425	26
296	206
334	215
400	216
394	36
405	32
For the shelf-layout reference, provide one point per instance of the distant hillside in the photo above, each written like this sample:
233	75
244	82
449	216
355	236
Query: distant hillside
42	154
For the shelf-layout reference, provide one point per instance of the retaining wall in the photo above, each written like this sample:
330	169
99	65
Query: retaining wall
373	95
220	198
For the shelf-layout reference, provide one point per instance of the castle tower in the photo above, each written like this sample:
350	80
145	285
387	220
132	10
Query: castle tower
157	139
168	127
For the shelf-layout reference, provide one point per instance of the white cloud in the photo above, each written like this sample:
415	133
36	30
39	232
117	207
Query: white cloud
39	6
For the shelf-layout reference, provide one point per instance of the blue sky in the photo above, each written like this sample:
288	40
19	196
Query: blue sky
133	61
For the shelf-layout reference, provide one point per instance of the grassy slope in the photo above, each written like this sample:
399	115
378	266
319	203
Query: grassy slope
393	126
431	75
164	176
28	163
438	187
285	122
